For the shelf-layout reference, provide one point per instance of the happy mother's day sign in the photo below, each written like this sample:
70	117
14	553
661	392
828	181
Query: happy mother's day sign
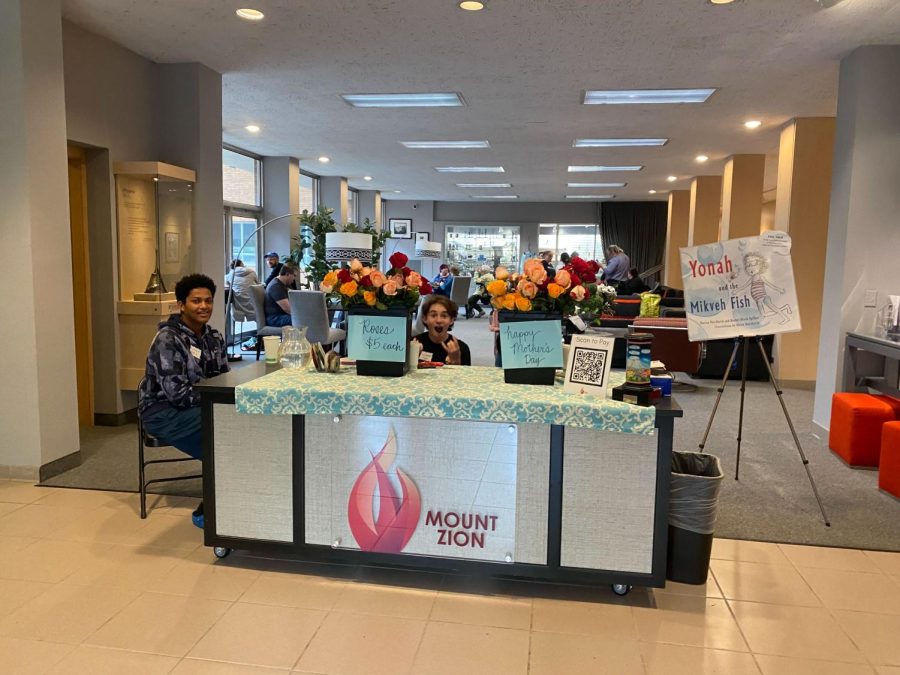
531	344
376	338
740	287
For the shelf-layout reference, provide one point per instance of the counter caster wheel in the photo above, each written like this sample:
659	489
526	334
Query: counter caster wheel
221	551
621	589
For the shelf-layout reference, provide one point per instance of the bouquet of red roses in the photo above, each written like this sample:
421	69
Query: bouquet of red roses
362	285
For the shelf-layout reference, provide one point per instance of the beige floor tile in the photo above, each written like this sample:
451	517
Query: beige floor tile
351	644
294	590
22	492
24	657
887	670
660	659
172	532
683	620
887	562
484	611
79	499
555	653
10	545
202	575
160	624
107	524
708	590
9	507
410	603
101	661
851	560
748	551
584	618
782	665
260	635
65	613
36	520
801	632
14	593
201	667
878	635
46	560
125	567
858	591
492	651
760	582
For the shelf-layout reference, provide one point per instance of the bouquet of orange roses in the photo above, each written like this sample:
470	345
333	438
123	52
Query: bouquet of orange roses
534	291
362	285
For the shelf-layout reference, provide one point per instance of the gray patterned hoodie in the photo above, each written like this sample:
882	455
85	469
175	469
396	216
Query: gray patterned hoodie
173	370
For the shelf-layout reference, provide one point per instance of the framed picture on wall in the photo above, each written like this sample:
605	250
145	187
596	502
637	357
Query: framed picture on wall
401	228
421	236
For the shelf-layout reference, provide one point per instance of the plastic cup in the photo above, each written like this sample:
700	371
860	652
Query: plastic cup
271	344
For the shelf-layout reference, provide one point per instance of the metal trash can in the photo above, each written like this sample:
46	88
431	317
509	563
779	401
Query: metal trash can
696	480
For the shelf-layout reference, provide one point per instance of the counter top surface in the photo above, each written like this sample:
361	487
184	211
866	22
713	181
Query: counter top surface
461	392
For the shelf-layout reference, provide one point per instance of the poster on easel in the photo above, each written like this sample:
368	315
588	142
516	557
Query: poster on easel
740	287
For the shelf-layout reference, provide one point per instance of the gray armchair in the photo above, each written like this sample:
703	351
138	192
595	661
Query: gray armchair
460	292
308	309
258	296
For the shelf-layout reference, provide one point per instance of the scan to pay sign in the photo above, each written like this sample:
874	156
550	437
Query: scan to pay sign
587	370
376	338
531	344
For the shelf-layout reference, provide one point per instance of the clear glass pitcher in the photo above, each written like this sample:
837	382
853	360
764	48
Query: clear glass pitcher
295	348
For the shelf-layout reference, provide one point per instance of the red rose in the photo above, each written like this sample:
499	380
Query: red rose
398	260
576	280
425	289
365	281
589	277
344	275
579	265
595	266
405	271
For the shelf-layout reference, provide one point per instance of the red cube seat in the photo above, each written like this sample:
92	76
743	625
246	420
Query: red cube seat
856	421
889	469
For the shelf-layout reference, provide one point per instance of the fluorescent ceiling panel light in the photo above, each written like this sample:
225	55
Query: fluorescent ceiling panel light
367	177
448	145
589	196
626	96
495	196
484	185
672	179
469	169
652	192
250	14
596	185
422	100
618	142
575	169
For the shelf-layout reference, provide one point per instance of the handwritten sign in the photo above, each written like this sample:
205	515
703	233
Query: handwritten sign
376	338
531	344
588	364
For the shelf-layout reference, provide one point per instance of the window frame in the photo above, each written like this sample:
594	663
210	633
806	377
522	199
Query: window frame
260	185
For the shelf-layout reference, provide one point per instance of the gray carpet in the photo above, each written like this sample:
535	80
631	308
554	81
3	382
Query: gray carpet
772	501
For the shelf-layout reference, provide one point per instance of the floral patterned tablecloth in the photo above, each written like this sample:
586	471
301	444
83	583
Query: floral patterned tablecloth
460	392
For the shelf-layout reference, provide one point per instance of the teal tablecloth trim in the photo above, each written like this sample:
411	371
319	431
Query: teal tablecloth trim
461	392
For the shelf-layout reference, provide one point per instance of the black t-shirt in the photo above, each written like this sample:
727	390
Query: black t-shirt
275	271
438	353
275	291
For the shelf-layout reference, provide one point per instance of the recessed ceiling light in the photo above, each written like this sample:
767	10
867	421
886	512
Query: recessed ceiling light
672	179
618	142
324	159
252	128
701	158
495	196
471	5
484	185
635	167
625	96
596	185
753	124
367	177
250	14
720	2
469	169
450	145
590	196
652	192
420	100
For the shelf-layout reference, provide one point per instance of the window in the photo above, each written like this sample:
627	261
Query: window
242	226
309	192
241	178
471	246
581	239
352	206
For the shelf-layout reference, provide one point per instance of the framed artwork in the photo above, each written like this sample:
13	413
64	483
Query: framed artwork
421	236
172	247
401	228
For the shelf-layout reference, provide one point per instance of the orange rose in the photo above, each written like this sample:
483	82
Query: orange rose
364	271
349	289
527	288
414	279
509	301
554	290
370	297
523	304
355	265
532	264
377	278
390	287
496	287
578	293
537	275
563	278
501	273
497	302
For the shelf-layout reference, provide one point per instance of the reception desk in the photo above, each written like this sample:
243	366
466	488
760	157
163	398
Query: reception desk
448	469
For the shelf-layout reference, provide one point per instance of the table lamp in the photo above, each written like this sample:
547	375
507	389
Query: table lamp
345	246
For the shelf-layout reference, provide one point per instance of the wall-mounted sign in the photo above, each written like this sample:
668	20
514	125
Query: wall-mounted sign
531	344
376	338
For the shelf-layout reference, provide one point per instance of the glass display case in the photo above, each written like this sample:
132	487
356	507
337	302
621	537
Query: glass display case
471	246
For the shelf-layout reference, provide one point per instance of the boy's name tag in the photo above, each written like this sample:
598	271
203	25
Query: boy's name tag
425	356
195	352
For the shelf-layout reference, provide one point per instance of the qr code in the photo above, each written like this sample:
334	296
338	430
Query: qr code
588	366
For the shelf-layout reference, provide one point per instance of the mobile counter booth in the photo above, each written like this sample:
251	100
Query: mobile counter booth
448	470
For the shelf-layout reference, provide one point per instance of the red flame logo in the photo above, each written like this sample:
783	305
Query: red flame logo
397	515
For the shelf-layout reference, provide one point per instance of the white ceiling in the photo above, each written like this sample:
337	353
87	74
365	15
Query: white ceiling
521	66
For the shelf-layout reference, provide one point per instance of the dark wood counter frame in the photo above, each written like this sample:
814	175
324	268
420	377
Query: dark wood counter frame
220	390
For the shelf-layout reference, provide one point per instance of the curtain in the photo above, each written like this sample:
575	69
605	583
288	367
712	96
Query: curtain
639	228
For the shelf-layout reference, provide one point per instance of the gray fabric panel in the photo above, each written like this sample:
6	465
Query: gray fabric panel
609	490
254	479
532	493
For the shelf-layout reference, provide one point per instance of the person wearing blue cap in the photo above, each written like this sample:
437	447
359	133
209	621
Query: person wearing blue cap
273	260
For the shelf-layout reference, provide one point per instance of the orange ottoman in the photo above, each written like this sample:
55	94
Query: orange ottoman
856	421
889	469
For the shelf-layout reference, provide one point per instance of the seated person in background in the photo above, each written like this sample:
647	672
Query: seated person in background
278	309
238	282
634	284
184	351
443	281
547	261
439	313
483	276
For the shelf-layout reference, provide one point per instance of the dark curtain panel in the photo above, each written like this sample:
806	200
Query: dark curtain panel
640	229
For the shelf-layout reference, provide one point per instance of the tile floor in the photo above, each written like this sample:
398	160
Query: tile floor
88	587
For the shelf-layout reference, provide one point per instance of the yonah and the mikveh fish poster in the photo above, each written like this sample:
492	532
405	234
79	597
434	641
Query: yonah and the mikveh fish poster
740	287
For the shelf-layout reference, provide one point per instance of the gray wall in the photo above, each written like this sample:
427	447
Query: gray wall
281	186
864	230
